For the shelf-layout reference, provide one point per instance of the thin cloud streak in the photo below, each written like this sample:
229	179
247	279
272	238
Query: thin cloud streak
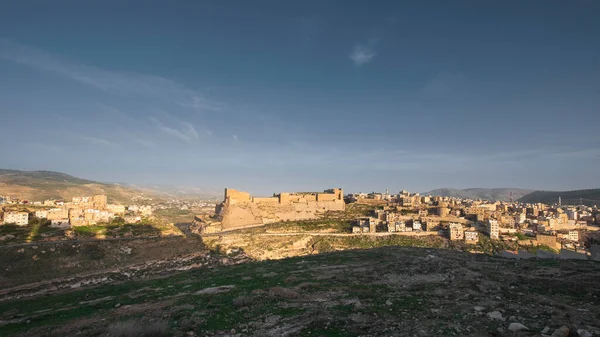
108	81
187	134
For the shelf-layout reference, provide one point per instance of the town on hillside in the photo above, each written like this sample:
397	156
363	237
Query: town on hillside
511	224
84	211
553	226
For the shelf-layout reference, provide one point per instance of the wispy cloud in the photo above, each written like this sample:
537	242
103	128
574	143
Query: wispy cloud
99	141
235	137
109	81
186	133
362	54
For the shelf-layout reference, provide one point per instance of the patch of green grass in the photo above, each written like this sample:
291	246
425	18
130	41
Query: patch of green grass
92	230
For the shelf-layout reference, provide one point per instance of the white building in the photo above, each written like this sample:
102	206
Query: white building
574	236
493	229
416	225
18	218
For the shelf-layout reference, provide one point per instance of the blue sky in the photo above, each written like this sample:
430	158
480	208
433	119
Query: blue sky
272	96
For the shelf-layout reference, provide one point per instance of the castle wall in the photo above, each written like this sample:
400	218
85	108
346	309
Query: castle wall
237	196
258	200
326	197
239	210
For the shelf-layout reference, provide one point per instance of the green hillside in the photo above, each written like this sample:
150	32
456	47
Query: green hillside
587	197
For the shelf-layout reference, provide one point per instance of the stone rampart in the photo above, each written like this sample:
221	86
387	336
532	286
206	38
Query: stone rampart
240	210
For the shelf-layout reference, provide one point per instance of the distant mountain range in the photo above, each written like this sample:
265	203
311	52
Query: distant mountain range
587	197
500	194
42	185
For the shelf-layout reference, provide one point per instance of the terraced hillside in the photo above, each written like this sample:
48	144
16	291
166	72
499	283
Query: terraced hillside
390	291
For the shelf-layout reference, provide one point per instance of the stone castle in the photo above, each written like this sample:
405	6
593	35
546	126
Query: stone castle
239	209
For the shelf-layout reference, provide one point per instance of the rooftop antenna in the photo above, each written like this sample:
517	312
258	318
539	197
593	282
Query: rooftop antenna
511	197
559	201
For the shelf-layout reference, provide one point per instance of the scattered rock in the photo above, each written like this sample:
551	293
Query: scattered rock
215	290
584	333
291	279
563	331
283	292
546	330
305	285
479	308
242	301
388	302
496	315
517	327
271	274
117	305
258	292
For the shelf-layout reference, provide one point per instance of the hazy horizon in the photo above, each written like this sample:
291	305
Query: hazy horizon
271	96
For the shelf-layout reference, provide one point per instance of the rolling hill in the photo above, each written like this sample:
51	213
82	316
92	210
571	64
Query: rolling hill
588	197
42	185
500	194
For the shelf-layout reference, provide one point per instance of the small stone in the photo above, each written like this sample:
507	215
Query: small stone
479	308
517	327
512	318
117	305
496	315
584	333
546	330
563	331
388	302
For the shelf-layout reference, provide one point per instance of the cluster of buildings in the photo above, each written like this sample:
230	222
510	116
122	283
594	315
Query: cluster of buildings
80	211
466	219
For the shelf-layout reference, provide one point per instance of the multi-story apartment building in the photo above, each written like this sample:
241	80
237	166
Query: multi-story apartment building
471	236
493	229
41	214
573	236
18	218
456	231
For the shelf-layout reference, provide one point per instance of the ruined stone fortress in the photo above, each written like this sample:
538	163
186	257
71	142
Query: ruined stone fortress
239	209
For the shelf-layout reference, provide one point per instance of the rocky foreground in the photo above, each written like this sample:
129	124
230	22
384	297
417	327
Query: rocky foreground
391	291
